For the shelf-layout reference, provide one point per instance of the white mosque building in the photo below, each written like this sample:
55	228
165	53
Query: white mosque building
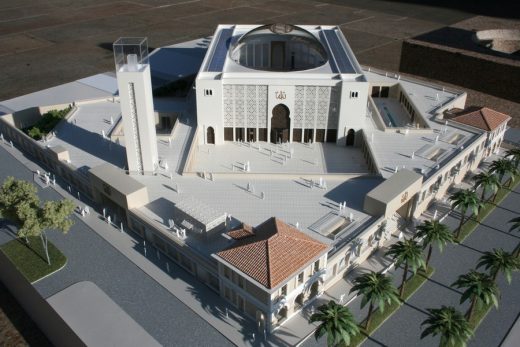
280	83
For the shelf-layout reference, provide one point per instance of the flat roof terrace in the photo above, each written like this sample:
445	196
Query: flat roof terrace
82	136
289	199
292	159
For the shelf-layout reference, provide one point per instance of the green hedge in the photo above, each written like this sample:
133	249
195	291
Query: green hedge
30	258
46	123
479	313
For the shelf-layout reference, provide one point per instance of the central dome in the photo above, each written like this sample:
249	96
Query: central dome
279	47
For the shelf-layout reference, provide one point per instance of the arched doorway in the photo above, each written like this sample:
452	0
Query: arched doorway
298	302
351	136
314	289
210	136
280	124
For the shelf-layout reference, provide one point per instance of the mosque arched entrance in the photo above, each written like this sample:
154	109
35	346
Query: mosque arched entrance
280	124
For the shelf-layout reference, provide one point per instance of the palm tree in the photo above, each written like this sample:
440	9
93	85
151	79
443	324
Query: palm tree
464	200
480	289
499	261
434	232
515	226
337	322
514	155
408	252
377	289
503	167
450	324
488	182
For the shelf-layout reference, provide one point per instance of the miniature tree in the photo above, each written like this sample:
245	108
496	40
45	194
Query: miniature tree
514	155
20	204
409	253
464	200
376	289
488	182
503	167
337	322
450	324
499	261
480	289
433	232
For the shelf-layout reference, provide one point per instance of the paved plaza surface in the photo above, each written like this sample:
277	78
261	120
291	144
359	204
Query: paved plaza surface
264	157
403	328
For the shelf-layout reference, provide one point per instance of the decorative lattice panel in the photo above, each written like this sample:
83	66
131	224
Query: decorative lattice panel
228	112
239	113
323	107
310	107
299	96
262	106
245	106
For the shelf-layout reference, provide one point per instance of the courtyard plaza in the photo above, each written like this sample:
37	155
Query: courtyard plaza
284	158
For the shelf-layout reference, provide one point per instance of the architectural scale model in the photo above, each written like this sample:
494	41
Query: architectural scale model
285	167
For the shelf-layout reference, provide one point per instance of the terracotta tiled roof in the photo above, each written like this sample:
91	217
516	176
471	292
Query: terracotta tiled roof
482	117
240	233
275	252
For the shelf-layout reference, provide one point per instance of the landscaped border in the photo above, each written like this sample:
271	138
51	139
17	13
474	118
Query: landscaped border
30	259
489	206
378	318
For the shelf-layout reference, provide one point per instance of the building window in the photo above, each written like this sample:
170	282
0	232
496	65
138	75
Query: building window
227	273
354	94
208	92
300	278
317	266
284	290
241	282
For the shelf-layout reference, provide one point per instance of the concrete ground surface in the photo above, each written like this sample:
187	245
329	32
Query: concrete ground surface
403	328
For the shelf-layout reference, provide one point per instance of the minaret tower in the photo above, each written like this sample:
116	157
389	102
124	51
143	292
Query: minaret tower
135	95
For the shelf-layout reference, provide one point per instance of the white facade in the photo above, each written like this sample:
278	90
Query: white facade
237	96
135	95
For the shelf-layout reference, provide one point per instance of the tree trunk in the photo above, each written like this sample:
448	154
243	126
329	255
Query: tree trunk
462	213
428	256
483	194
401	290
43	237
495	195
369	316
495	275
472	307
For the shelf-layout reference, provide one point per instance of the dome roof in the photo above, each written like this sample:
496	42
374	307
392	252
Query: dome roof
279	47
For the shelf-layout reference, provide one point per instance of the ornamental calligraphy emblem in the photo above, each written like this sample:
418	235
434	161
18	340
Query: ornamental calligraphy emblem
280	95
